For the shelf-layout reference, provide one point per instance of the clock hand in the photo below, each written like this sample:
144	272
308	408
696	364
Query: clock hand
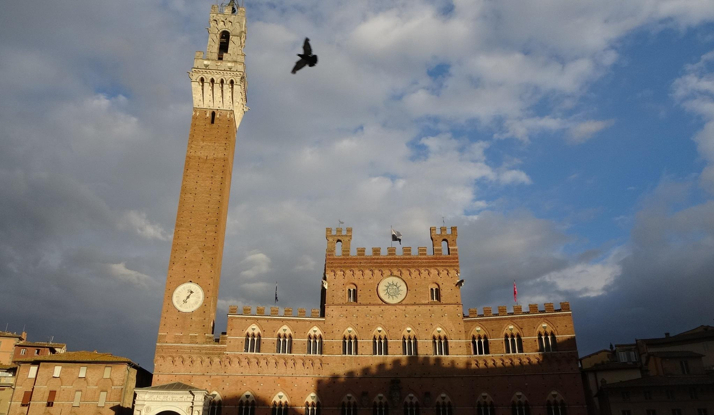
188	296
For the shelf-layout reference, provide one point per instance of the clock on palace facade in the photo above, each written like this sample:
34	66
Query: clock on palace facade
392	290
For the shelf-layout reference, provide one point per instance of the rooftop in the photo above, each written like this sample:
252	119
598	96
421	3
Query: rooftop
9	334
675	353
613	366
43	344
663	381
695	334
82	356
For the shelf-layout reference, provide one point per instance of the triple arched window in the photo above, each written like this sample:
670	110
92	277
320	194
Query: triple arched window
348	406
441	345
380	406
409	344
513	343
547	341
312	408
314	343
284	343
246	404
252	342
443	406
280	405
479	344
555	405
485	406
411	405
519	405
349	344
380	344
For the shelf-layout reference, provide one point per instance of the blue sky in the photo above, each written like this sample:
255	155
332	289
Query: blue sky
572	143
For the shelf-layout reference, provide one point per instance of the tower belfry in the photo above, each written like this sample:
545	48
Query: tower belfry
218	86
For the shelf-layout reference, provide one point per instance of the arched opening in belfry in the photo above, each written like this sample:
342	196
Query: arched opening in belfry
338	248
213	117
223	42
445	247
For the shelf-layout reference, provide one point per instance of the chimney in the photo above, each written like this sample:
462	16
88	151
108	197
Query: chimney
666	334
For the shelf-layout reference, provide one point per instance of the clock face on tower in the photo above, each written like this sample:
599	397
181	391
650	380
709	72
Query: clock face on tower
188	297
392	289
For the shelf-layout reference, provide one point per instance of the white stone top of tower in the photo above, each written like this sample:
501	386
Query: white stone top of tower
218	76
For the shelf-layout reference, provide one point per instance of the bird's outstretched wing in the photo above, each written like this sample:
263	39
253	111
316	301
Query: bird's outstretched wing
306	49
299	65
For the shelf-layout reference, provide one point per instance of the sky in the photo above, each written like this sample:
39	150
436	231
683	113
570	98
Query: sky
571	142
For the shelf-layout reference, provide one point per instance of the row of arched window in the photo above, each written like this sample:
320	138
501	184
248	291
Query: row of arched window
555	405
513	343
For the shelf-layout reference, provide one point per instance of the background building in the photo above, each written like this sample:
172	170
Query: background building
671	374
76	383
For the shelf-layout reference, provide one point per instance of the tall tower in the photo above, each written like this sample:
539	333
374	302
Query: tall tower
218	85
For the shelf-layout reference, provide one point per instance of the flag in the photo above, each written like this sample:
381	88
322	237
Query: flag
276	292
396	236
515	293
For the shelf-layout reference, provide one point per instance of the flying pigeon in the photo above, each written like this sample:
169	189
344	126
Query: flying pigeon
306	57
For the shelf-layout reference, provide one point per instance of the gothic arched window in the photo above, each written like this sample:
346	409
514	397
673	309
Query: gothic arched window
479	344
546	340
519	405
513	343
349	343
314	342
443	406
348	406
380	343
485	406
411	405
380	406
441	344
555	405
409	343
246	404
252	341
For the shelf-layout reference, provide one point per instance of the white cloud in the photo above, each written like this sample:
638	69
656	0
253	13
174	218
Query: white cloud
139	223
121	272
584	131
695	92
257	263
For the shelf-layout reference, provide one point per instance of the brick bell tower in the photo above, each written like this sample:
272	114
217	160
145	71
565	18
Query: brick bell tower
218	85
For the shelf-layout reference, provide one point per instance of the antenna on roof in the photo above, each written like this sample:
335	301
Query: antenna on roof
52	338
6	324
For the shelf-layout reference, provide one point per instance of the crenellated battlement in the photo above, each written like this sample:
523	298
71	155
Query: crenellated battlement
339	245
518	310
262	311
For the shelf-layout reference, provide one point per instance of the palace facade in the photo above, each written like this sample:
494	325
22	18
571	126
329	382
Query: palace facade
391	334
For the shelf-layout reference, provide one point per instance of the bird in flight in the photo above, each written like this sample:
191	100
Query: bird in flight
306	57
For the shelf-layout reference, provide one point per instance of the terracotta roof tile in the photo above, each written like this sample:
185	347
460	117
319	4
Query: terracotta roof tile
42	344
81	356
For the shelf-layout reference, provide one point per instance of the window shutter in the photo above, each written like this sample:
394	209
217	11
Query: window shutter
56	373
102	398
83	372
107	372
51	398
77	398
26	398
33	372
